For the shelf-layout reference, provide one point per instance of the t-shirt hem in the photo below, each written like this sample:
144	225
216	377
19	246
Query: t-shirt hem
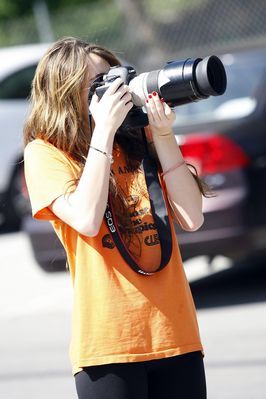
128	358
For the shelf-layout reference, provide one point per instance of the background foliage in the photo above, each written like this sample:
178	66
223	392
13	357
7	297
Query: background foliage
144	32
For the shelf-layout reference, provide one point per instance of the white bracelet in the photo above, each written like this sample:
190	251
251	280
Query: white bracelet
109	156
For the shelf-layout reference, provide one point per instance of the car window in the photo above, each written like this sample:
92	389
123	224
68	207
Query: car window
239	99
17	85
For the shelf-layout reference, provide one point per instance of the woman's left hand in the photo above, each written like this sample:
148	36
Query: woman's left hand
161	117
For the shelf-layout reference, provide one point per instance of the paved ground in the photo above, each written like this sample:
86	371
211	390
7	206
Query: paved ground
35	326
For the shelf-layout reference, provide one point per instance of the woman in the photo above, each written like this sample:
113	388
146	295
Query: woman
134	334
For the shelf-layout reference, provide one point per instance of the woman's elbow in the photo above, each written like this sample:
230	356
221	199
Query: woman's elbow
88	228
199	222
195	224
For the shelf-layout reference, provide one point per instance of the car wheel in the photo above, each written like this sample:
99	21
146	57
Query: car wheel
50	267
17	205
10	213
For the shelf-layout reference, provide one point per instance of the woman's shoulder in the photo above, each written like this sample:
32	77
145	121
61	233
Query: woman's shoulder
40	143
42	148
41	152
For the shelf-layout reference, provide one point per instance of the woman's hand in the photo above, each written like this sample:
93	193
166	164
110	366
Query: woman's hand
110	111
161	117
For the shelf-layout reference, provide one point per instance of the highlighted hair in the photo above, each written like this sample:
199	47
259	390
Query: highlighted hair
56	113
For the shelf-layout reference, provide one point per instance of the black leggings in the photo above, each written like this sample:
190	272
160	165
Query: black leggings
179	377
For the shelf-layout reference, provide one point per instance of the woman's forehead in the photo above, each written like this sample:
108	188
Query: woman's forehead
97	65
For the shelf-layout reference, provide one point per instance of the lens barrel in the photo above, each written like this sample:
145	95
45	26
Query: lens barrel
181	82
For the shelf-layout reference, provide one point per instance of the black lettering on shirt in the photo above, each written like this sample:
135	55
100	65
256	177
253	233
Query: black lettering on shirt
152	240
136	222
143	227
142	211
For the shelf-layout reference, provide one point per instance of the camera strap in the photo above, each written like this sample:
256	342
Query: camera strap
159	212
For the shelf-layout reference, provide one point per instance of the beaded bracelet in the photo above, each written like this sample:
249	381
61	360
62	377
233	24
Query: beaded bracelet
109	156
180	163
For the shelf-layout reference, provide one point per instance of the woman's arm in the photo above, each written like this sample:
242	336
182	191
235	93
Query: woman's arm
84	208
183	191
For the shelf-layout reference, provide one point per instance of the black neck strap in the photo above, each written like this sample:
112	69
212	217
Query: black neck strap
159	212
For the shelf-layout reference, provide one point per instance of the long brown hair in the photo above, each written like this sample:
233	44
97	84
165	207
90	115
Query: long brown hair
57	116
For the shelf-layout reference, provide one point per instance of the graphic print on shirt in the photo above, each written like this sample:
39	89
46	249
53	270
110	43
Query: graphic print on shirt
143	226
140	226
107	241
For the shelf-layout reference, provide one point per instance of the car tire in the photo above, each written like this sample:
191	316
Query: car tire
51	267
16	205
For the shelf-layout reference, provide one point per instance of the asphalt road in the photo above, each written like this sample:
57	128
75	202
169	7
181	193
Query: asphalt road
36	314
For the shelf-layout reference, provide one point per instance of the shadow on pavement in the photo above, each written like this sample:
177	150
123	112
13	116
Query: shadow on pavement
244	282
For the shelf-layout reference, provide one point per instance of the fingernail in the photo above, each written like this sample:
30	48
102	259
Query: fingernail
154	93
162	100
147	100
150	96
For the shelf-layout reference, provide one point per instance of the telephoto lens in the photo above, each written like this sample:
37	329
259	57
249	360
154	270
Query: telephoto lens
181	82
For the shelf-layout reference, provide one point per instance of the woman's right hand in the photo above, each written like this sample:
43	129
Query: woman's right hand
110	111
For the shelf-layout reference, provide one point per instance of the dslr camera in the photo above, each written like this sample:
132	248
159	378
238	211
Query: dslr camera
178	82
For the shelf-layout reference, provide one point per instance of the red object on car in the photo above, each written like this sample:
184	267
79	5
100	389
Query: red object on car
212	153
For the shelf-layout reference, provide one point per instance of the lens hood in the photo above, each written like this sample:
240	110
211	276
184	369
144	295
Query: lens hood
210	76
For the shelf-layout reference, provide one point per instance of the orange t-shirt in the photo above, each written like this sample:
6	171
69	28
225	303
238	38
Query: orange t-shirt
118	315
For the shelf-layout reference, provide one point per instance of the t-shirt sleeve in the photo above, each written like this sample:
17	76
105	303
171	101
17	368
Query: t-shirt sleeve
48	176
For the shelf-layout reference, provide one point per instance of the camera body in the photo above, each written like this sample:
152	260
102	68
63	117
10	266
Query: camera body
136	118
178	82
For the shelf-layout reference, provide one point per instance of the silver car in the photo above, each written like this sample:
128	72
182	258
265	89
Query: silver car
18	64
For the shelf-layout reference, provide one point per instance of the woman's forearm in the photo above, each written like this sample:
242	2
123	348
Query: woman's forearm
91	194
183	191
84	208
